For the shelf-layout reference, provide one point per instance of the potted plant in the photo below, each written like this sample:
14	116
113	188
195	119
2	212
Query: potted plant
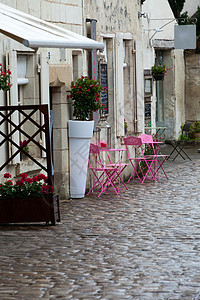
24	146
194	130
85	94
125	126
4	79
28	200
159	71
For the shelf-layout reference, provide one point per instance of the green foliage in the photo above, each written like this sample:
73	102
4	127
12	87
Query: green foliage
198	21
195	128
176	6
86	95
24	145
158	69
183	137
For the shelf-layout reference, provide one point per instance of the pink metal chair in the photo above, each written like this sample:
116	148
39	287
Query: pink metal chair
155	154
142	166
105	175
119	164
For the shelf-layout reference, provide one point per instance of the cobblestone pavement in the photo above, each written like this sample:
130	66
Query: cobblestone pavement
142	245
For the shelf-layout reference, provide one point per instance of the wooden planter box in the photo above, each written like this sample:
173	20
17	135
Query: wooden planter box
20	210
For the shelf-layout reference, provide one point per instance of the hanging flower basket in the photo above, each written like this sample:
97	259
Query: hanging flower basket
158	77
159	72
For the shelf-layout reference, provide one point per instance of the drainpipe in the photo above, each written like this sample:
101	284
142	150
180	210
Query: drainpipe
135	92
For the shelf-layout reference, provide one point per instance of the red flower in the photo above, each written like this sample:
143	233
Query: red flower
41	177
34	179
88	90
9	182
79	92
29	180
23	175
46	188
20	182
7	175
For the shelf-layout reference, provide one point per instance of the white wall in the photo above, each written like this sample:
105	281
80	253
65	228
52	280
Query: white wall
191	6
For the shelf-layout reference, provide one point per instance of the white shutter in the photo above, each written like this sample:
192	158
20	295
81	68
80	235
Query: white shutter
12	99
119	84
44	87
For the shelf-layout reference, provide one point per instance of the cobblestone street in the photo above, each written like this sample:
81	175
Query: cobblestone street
142	245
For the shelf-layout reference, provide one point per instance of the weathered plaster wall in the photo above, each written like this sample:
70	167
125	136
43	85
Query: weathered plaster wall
159	15
192	86
113	16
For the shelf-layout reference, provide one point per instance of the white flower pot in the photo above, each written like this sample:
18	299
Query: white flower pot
80	133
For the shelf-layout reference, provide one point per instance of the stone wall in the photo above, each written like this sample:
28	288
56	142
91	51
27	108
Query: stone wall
192	86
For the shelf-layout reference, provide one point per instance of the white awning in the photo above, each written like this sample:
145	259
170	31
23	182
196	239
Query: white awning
34	33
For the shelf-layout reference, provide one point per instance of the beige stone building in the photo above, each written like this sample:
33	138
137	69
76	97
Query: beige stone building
48	71
43	70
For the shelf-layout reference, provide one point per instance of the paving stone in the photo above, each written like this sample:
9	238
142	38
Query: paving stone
141	245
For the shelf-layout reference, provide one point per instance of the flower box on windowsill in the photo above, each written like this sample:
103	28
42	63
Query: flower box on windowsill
30	209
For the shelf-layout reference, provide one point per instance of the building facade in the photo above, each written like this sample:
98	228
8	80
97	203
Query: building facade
43	75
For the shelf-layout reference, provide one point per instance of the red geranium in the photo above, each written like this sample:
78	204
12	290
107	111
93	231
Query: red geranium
7	175
25	186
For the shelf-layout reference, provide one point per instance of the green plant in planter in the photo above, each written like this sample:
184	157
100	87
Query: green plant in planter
86	95
36	186
125	126
159	70
4	79
195	128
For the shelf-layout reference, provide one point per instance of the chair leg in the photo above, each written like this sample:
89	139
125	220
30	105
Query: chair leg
180	149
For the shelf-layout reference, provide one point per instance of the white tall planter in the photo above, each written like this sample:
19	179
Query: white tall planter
80	133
